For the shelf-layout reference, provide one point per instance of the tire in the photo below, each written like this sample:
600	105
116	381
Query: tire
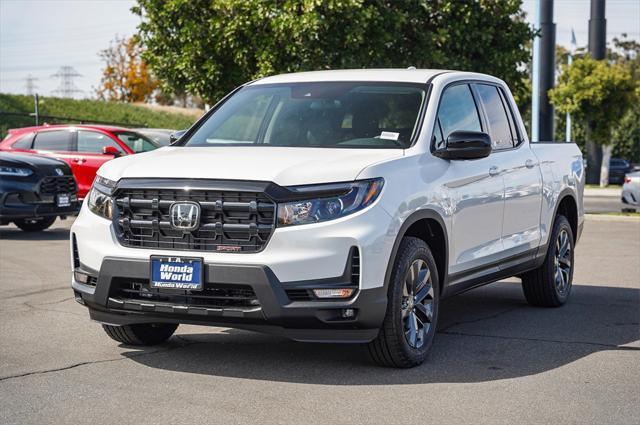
35	225
397	345
550	284
141	334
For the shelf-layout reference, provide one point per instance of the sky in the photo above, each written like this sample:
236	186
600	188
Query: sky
37	37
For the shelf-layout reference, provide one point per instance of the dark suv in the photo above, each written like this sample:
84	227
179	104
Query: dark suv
618	168
35	190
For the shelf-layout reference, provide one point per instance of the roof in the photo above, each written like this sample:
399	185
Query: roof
389	75
54	126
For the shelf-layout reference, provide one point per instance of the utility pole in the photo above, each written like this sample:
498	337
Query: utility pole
30	84
547	69
597	50
36	101
67	87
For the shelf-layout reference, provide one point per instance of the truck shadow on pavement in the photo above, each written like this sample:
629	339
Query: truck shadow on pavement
486	334
15	234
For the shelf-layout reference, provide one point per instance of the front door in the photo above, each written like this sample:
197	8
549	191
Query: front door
89	147
476	189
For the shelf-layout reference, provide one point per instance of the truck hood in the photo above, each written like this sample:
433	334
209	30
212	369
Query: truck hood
285	166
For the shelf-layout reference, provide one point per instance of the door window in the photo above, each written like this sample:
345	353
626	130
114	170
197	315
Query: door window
457	111
57	140
136	142
498	120
94	142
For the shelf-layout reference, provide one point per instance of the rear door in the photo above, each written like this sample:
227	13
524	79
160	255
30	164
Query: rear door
88	149
521	172
58	144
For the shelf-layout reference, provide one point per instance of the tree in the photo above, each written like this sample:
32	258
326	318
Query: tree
207	48
598	93
626	137
125	77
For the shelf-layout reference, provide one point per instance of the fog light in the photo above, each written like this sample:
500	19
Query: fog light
81	277
348	313
333	293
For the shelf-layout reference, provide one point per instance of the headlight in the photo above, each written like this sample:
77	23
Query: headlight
15	171
99	200
354	197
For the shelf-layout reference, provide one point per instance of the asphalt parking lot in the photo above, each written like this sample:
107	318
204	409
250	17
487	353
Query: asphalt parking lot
495	360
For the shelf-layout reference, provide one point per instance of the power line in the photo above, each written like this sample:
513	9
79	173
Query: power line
67	87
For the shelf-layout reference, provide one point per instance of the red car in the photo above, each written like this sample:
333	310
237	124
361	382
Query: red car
84	147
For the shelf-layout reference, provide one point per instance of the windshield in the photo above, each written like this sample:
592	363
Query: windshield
137	142
328	114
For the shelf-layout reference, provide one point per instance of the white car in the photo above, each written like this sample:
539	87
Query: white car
631	191
333	206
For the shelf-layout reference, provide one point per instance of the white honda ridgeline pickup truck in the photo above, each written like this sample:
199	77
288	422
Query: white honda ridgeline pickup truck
333	206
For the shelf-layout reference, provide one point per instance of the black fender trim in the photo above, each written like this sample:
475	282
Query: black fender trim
413	218
566	192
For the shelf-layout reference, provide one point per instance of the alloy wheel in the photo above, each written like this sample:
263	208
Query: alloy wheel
562	264
417	303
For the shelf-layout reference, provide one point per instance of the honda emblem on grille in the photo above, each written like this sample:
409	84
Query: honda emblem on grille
59	172
185	215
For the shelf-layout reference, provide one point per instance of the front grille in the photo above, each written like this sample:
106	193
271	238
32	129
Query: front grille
212	296
231	221
58	184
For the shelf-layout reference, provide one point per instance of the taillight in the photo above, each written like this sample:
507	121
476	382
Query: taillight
627	179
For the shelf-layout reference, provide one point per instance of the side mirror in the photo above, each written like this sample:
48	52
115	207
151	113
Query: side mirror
465	145
111	150
176	136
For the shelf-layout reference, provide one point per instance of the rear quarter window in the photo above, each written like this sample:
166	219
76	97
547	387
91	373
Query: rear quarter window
23	142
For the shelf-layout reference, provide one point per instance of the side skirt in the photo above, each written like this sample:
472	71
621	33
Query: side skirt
489	273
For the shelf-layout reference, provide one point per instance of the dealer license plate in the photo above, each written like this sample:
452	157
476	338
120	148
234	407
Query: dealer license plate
177	273
63	200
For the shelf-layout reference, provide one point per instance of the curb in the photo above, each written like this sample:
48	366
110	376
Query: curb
611	217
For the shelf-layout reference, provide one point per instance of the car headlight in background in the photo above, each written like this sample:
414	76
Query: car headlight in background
354	197
99	200
15	171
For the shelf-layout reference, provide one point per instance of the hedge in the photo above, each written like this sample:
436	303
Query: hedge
96	110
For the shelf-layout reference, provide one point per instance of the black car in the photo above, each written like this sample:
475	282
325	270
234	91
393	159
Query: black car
34	190
618	168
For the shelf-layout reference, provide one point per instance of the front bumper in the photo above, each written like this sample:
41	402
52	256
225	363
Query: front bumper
298	256
316	320
13	206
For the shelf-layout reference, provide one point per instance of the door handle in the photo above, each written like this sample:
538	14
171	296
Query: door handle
530	163
494	171
78	160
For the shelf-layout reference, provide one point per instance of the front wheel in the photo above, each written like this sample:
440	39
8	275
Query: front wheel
550	284
35	224
409	326
142	333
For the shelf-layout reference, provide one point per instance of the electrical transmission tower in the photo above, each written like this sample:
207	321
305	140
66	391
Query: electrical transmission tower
30	85
67	87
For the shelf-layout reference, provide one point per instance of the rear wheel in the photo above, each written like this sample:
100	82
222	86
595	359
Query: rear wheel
35	224
141	334
550	284
410	323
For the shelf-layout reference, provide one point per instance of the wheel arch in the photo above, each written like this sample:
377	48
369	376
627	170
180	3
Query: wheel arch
568	207
429	226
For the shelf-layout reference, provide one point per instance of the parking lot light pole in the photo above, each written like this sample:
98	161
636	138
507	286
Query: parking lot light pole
535	80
